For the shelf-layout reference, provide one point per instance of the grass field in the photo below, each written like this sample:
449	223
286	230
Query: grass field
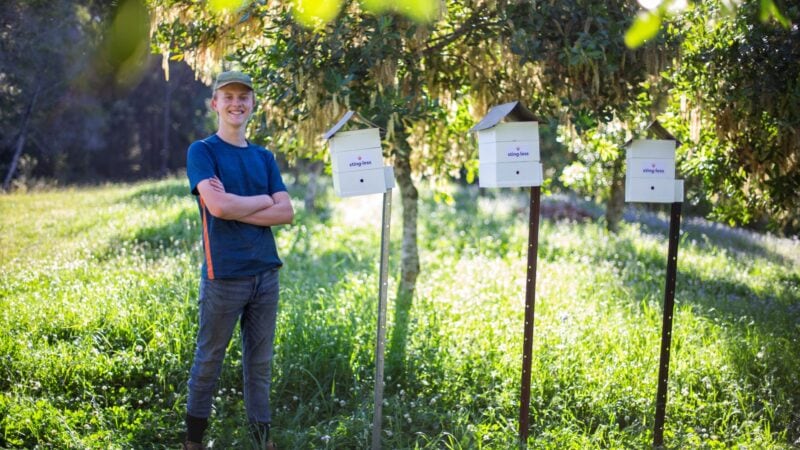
98	303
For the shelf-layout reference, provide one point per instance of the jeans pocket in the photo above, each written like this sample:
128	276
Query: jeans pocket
225	295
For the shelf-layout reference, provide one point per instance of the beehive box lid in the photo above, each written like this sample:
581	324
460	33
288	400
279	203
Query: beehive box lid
515	110
356	117
652	148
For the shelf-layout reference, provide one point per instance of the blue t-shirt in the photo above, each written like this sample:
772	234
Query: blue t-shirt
232	248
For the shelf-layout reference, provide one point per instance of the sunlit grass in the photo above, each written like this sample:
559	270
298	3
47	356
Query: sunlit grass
98	291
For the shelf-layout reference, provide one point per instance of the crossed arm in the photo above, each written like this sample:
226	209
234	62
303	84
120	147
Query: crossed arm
264	210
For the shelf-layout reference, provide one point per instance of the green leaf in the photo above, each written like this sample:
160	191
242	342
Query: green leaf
316	13
769	9
644	27
376	6
219	6
421	10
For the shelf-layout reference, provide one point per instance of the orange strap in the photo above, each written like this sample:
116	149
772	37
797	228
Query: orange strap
206	241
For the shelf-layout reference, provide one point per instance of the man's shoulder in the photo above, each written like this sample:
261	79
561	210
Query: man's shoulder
209	141
261	149
205	143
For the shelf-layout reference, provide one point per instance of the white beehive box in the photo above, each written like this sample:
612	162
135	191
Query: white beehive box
517	174
363	182
509	142
357	161
650	176
508	153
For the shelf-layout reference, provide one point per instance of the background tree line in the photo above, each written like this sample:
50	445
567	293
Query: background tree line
83	100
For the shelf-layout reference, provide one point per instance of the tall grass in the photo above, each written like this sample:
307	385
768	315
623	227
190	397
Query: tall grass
98	304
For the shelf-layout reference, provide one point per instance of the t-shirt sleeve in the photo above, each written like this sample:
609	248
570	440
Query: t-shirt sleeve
199	165
274	174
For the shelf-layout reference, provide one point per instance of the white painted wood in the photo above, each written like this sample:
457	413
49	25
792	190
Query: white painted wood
652	148
388	172
353	160
653	190
345	141
510	174
510	132
651	168
361	182
508	151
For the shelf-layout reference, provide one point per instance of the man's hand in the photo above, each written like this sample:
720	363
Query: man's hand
228	206
216	185
280	213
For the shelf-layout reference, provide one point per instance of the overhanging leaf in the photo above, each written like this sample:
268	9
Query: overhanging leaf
769	9
644	27
315	13
219	6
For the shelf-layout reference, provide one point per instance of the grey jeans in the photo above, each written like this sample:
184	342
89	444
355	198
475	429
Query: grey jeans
253	302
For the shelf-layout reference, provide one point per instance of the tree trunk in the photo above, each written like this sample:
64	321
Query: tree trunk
409	253
314	170
616	196
164	153
23	130
410	266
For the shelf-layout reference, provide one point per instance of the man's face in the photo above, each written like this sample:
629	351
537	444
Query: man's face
234	104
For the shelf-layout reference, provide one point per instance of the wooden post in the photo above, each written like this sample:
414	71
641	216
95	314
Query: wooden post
530	301
666	328
380	344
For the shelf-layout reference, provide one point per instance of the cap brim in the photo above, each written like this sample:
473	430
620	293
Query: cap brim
233	82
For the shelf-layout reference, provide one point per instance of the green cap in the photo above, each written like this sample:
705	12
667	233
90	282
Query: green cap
233	76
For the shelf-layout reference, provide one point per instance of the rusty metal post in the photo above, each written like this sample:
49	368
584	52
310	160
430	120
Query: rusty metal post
530	301
380	343
666	328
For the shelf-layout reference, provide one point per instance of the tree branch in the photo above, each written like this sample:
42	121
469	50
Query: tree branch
472	24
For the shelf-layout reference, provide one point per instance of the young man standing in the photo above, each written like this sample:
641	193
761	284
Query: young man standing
240	194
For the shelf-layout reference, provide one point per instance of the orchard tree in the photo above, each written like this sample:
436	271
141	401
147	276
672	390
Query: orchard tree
422	81
729	69
737	107
33	69
423	78
66	67
602	92
734	103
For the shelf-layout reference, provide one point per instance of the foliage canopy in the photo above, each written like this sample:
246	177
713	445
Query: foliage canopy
736	99
724	81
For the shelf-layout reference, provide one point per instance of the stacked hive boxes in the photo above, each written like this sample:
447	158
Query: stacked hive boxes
357	162
509	155
509	152
651	172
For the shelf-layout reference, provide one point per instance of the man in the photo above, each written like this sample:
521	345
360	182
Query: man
240	194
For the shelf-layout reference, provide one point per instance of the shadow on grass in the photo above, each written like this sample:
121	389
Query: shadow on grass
153	194
179	235
709	234
750	315
453	226
644	273
325	354
759	327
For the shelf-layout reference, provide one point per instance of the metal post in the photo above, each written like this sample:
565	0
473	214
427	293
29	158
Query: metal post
666	328
530	300
381	339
